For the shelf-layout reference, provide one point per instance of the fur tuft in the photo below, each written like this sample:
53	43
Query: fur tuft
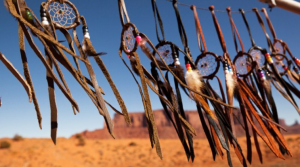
293	76
193	79
230	84
84	46
146	50
267	86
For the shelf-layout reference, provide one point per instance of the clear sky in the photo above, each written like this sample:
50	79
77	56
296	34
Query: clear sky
17	115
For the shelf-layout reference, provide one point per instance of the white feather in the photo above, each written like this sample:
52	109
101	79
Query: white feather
230	83
84	46
193	80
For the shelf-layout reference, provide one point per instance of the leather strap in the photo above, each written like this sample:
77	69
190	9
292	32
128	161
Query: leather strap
149	111
157	18
235	32
261	108
53	107
28	76
122	12
181	30
248	27
17	75
219	32
206	131
199	31
51	72
271	47
269	23
108	78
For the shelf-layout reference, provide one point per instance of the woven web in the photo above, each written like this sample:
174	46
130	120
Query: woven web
242	64
279	62
278	47
207	65
258	57
166	53
62	14
129	39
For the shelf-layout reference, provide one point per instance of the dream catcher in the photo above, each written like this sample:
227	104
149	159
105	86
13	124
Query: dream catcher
170	54
279	60
62	15
129	47
245	65
217	136
281	47
247	100
130	39
208	64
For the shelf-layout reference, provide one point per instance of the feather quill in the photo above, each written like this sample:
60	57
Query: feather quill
194	80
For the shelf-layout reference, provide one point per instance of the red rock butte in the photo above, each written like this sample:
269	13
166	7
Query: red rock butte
138	128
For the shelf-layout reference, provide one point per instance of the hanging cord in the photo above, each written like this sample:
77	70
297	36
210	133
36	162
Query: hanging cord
274	69
205	9
271	47
235	32
157	18
122	12
248	27
269	23
182	32
201	42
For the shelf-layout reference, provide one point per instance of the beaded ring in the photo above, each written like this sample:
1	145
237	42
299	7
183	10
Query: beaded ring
129	38
243	63
63	15
208	64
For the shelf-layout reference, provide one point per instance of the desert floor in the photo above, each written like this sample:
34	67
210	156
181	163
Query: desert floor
128	153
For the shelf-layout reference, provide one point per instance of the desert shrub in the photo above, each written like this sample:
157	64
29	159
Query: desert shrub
4	144
132	144
81	141
290	139
78	136
17	138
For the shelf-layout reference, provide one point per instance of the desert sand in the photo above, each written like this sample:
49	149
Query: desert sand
128	153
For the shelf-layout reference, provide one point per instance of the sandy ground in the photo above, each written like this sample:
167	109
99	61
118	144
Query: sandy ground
127	153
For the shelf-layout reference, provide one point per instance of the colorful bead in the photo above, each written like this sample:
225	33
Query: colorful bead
29	15
261	75
229	69
284	67
225	67
188	67
138	39
269	58
268	75
128	54
297	61
177	62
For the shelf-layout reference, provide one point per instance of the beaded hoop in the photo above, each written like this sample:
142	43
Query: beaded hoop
128	40
63	15
243	64
208	64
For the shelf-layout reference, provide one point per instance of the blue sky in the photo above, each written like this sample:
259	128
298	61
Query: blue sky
17	115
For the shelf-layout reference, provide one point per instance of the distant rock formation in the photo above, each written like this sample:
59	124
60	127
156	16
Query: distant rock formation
138	127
